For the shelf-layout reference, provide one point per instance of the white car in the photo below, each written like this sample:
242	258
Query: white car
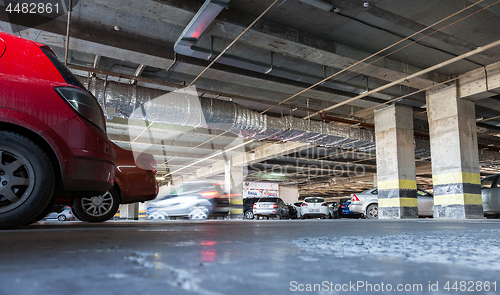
366	203
314	207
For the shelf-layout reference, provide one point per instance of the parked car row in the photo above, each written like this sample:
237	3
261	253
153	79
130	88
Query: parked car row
53	143
366	203
272	207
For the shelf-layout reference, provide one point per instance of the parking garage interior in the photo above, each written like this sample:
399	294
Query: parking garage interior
316	98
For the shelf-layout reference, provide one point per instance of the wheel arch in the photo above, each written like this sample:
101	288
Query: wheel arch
369	204
42	143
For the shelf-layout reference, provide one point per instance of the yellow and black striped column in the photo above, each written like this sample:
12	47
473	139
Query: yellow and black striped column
457	195
397	188
455	158
397	199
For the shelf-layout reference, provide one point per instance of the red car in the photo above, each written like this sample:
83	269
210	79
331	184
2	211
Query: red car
135	182
53	139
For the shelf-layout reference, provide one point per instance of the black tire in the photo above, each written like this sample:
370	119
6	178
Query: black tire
98	208
27	180
61	217
249	214
50	208
372	211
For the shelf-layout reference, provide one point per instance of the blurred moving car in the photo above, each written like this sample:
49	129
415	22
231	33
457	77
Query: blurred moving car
248	207
490	193
61	213
366	203
270	207
135	182
53	139
314	207
197	200
344	211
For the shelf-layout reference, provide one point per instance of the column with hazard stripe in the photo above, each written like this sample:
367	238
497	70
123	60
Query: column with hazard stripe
455	158
397	187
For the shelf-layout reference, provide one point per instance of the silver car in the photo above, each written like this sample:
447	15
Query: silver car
270	207
490	193
61	213
366	203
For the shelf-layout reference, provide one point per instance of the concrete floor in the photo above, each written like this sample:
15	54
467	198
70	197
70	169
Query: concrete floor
251	257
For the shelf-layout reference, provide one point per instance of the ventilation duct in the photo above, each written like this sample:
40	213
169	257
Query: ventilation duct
185	108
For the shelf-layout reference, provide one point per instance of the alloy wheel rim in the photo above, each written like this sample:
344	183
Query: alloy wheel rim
17	179
373	212
98	205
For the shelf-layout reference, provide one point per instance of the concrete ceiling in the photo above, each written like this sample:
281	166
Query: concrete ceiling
132	42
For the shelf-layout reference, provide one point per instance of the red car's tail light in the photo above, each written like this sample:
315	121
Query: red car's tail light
84	104
324	204
304	204
255	205
149	163
210	194
354	198
275	206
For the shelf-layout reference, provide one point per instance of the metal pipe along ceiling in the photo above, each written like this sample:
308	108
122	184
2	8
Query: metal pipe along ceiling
186	45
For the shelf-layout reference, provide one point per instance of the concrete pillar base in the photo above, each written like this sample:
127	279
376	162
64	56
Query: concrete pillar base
398	203
459	211
397	213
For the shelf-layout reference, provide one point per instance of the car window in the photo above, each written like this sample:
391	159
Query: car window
63	70
314	200
375	191
268	200
488	182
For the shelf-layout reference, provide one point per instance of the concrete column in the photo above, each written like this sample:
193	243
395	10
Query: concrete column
129	211
397	187
234	177
455	159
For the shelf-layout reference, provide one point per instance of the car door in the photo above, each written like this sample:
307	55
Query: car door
490	194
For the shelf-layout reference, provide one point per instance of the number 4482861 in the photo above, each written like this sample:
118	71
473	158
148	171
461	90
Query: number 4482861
32	8
470	286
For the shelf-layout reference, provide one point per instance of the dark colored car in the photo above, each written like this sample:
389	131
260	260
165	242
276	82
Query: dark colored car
248	207
53	139
344	211
135	182
292	212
